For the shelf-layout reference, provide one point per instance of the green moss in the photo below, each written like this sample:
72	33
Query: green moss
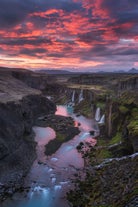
84	108
62	100
114	116
127	98
135	113
97	155
60	137
105	206
123	109
133	127
101	105
116	139
102	142
104	154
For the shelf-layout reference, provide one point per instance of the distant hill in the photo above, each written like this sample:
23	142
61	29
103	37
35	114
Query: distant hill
55	71
133	70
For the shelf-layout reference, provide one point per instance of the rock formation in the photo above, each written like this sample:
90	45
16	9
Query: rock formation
19	107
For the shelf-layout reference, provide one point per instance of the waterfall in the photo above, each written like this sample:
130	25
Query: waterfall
81	96
102	120
73	97
97	114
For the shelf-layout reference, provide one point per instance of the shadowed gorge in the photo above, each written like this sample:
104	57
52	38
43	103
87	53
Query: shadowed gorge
68	139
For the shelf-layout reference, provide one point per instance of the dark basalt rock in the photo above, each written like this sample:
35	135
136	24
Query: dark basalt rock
17	146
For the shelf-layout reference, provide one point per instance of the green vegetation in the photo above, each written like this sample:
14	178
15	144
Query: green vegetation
106	142
102	142
84	108
111	183
128	99
116	139
97	88
54	144
62	100
101	105
123	109
133	127
95	155
60	137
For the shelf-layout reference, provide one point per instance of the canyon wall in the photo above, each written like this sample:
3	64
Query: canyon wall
112	184
19	107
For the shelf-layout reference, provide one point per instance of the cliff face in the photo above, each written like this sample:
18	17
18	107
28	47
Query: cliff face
128	83
32	79
19	107
110	184
122	120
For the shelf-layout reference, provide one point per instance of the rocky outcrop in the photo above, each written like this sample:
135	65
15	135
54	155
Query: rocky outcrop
128	83
19	107
64	128
122	119
112	183
34	80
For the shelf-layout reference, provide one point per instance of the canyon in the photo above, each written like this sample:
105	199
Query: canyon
30	99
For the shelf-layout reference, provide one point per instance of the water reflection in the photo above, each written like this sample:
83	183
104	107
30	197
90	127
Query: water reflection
62	110
49	177
43	135
65	110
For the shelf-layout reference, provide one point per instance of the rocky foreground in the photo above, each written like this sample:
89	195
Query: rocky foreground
20	105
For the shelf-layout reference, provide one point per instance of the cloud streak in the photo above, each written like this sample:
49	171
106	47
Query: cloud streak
80	34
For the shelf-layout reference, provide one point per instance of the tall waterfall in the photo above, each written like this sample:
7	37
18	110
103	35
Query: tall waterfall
97	114
102	120
73	97
81	96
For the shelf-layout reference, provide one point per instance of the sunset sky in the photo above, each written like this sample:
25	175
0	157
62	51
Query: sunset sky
86	35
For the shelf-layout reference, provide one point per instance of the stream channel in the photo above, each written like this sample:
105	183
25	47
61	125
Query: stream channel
50	176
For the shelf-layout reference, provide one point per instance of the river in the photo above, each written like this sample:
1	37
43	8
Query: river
50	177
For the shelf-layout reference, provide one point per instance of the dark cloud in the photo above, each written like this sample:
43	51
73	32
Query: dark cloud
88	30
33	52
59	55
13	12
25	41
89	37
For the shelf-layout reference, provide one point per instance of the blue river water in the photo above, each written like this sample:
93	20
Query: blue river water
50	177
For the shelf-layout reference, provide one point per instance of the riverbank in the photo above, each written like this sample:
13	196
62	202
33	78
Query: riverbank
64	128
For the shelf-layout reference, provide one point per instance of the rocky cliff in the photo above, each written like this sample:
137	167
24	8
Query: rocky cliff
111	184
19	107
111	165
129	83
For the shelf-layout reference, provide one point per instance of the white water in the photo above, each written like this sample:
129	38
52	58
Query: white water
97	114
73	97
102	120
81	96
50	176
116	159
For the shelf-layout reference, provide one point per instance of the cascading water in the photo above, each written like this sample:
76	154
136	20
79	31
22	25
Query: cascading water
102	120
73	97
97	114
81	96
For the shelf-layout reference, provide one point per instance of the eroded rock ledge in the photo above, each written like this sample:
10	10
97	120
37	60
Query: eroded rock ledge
19	107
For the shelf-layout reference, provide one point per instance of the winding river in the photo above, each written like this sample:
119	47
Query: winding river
50	177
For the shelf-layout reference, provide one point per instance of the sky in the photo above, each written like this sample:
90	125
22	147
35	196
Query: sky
76	35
